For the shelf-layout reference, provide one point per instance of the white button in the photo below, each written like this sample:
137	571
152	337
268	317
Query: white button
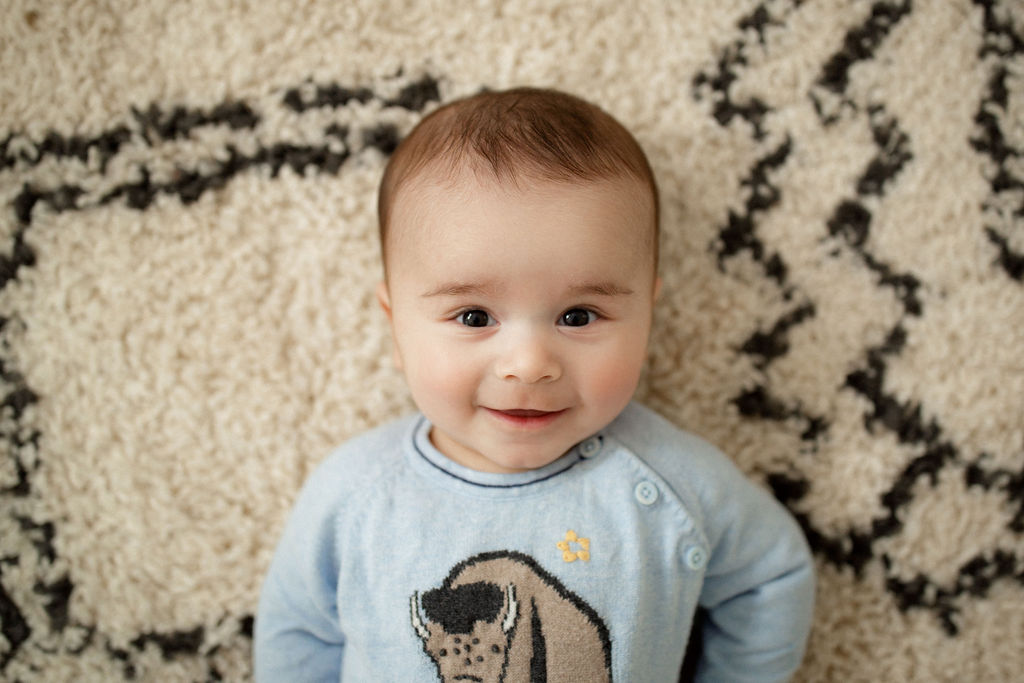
646	493
590	446
695	558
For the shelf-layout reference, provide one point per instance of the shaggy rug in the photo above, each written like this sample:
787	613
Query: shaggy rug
189	256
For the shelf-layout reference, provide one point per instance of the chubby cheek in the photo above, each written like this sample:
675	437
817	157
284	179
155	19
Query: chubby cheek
440	381
610	384
612	387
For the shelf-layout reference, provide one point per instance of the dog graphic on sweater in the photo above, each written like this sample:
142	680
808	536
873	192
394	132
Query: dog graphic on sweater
500	617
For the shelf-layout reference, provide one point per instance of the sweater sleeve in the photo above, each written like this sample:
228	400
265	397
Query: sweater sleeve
759	586
297	635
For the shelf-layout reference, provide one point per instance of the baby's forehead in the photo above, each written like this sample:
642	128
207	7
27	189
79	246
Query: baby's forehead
468	182
442	210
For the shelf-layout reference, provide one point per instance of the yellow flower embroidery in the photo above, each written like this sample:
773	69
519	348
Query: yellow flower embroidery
568	554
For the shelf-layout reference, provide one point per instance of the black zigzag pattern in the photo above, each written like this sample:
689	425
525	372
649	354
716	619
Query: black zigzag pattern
851	223
151	127
1006	183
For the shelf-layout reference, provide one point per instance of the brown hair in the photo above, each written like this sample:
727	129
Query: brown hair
524	132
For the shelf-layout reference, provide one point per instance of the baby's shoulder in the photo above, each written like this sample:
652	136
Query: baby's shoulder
687	462
660	443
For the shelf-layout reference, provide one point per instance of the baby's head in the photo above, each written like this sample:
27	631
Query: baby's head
518	136
519	233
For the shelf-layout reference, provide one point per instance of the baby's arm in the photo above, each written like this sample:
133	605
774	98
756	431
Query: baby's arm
297	637
758	590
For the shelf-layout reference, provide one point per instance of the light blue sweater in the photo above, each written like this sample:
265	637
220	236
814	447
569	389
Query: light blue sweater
399	565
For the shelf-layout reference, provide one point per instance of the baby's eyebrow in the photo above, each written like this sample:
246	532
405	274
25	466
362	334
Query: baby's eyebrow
460	289
599	289
604	289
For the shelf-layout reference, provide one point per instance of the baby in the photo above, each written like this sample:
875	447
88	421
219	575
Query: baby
531	523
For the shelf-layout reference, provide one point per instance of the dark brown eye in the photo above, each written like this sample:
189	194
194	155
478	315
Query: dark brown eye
577	317
475	318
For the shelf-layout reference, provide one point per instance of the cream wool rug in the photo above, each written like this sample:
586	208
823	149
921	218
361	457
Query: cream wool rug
188	325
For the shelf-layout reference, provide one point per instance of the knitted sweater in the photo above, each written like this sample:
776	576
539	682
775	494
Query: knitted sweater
399	564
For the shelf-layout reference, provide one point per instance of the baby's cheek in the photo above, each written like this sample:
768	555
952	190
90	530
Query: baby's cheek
447	375
613	383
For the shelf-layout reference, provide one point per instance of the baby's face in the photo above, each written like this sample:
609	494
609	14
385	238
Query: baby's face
520	314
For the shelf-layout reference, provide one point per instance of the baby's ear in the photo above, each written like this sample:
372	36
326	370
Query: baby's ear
384	299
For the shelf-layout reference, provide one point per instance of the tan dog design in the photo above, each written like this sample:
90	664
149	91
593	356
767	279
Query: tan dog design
500	617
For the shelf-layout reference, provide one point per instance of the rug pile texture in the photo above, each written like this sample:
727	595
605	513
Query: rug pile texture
188	259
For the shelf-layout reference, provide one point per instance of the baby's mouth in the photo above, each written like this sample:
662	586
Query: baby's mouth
528	413
526	417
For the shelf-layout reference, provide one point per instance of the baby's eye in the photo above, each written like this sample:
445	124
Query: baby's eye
577	317
475	318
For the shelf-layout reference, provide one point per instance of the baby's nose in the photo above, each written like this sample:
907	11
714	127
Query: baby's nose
528	359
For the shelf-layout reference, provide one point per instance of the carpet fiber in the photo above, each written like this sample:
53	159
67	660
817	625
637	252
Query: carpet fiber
188	261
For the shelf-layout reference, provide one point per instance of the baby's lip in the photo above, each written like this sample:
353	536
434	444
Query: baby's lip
526	412
526	417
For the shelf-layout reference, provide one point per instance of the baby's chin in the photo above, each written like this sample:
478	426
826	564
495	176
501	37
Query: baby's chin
518	463
497	458
514	461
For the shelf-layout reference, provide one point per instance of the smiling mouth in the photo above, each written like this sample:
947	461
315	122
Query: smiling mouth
526	418
528	413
